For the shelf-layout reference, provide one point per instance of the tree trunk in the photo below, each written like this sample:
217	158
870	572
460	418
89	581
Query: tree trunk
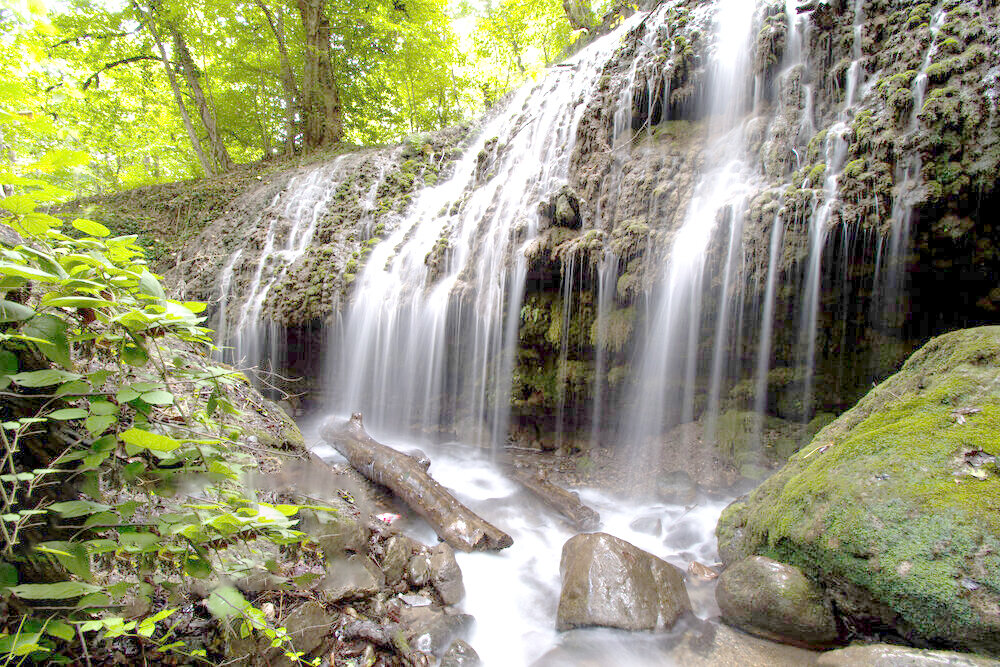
321	110
406	476
191	74
206	164
287	76
565	502
580	15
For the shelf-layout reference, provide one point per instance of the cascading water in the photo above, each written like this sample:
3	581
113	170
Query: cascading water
291	220
665	388
422	349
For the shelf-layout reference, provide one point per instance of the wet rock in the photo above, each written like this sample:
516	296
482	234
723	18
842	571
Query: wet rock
884	509
885	655
337	534
775	601
567	209
352	578
418	570
460	654
431	629
676	488
651	525
309	626
609	582
446	575
397	551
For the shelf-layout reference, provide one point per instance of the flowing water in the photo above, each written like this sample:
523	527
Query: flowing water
415	353
513	594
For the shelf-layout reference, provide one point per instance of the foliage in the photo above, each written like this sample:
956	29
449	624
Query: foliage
90	346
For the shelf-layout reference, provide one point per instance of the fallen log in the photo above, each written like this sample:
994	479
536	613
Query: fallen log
406	477
567	503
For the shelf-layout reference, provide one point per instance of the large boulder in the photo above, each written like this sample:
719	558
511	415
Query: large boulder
446	575
608	582
775	601
893	507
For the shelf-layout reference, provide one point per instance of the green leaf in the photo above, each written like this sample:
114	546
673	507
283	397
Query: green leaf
91	227
150	286
143	542
126	394
134	355
225	602
72	388
76	302
93	600
68	413
63	590
149	440
8	575
197	567
103	408
29	272
98	424
11	311
60	629
52	330
158	398
74	508
8	366
44	378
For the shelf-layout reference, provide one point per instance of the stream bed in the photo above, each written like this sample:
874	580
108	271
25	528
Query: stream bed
513	594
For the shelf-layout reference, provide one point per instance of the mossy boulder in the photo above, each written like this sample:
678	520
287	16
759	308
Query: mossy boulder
895	507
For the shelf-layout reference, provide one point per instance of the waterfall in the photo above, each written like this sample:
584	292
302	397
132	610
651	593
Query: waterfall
421	349
665	386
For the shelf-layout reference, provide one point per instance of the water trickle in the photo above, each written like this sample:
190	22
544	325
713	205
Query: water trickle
421	350
665	387
291	220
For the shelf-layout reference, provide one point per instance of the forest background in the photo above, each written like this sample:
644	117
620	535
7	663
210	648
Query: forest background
113	94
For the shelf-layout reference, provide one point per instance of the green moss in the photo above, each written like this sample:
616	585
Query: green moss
616	328
884	500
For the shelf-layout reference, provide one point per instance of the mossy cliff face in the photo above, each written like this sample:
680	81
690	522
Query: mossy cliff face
895	507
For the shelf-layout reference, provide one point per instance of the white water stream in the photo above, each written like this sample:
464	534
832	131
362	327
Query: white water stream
513	594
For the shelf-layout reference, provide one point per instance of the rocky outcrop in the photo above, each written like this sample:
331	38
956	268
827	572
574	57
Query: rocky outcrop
775	601
892	508
608	582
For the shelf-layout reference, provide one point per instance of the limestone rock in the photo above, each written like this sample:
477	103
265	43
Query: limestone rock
446	575
418	570
397	551
337	534
460	654
892	507
353	577
885	655
776	601
609	582
431	629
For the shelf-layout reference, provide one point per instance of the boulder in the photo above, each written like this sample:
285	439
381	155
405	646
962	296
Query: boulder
446	575
352	578
397	551
460	654
337	534
608	582
418	570
775	601
885	655
431	629
309	626
892	508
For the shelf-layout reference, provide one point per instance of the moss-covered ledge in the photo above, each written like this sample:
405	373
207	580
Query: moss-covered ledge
895	507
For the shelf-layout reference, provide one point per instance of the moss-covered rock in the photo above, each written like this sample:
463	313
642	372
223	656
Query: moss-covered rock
894	506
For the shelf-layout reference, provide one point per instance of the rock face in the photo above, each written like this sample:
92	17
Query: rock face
775	601
609	582
893	506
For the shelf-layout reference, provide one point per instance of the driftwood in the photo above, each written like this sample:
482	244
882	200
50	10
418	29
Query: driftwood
565	502
406	477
